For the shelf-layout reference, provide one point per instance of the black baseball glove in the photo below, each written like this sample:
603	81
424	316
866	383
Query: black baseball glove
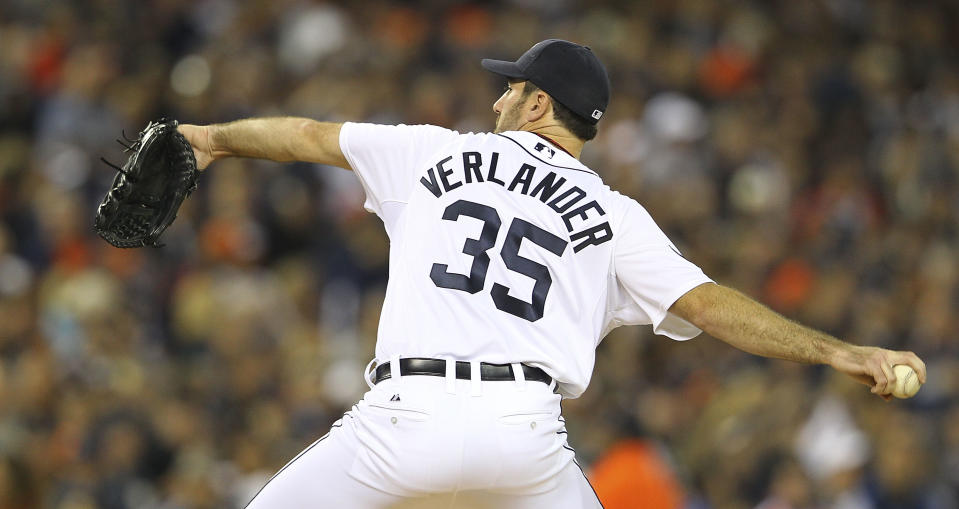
149	188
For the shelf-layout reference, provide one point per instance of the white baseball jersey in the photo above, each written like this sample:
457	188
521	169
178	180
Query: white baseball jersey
504	248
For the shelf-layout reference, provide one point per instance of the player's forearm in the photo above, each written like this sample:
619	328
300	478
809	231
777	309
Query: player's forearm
730	316
278	139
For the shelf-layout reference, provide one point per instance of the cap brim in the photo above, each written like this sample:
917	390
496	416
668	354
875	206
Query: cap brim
503	68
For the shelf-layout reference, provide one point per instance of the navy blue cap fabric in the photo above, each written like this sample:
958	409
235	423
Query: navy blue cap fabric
568	72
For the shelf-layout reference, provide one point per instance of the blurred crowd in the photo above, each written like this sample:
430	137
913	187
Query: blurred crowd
804	152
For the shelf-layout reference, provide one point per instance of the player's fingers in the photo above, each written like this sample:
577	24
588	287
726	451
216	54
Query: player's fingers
913	361
890	375
864	379
909	359
874	366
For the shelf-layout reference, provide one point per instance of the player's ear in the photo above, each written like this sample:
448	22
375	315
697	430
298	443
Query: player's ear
538	106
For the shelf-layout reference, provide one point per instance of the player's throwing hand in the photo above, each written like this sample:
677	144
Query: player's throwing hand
874	367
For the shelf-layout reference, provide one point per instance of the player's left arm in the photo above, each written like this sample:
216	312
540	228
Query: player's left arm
734	318
279	139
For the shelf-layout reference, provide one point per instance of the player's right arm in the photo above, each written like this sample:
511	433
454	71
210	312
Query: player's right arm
730	316
279	139
680	301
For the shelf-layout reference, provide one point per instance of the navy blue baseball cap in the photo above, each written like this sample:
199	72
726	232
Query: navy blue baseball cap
568	72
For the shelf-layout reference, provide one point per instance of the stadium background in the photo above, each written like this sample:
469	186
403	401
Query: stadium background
806	152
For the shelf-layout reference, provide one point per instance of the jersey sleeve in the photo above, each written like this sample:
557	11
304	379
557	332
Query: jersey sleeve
651	275
387	157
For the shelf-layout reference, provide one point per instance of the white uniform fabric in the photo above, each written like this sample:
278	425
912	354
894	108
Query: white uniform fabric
503	249
503	449
616	266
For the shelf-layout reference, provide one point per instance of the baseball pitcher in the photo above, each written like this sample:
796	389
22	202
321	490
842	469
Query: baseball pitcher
510	261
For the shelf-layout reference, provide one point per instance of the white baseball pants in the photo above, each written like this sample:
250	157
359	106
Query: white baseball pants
427	441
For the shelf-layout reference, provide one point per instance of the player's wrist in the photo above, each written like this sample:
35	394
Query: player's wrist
845	357
214	142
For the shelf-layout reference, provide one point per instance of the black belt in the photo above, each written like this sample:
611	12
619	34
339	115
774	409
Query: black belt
437	367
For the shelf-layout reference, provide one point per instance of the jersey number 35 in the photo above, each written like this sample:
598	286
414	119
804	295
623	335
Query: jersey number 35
477	248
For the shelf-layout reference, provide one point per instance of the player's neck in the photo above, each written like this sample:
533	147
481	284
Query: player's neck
571	144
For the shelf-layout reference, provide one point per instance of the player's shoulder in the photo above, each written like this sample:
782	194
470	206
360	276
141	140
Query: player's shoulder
383	129
625	211
400	132
622	201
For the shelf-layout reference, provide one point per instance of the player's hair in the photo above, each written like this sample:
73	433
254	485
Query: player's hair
566	118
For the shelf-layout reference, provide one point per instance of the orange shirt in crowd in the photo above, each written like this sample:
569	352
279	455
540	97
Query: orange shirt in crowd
632	474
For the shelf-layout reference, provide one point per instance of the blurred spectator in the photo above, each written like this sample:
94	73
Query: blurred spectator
633	474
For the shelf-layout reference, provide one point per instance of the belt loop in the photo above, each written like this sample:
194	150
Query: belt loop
450	375
519	376
395	368
369	373
476	378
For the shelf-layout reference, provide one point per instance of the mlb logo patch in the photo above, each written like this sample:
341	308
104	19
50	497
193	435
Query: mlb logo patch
597	114
542	148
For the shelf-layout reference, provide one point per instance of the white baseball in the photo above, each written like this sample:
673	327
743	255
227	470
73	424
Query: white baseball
907	382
